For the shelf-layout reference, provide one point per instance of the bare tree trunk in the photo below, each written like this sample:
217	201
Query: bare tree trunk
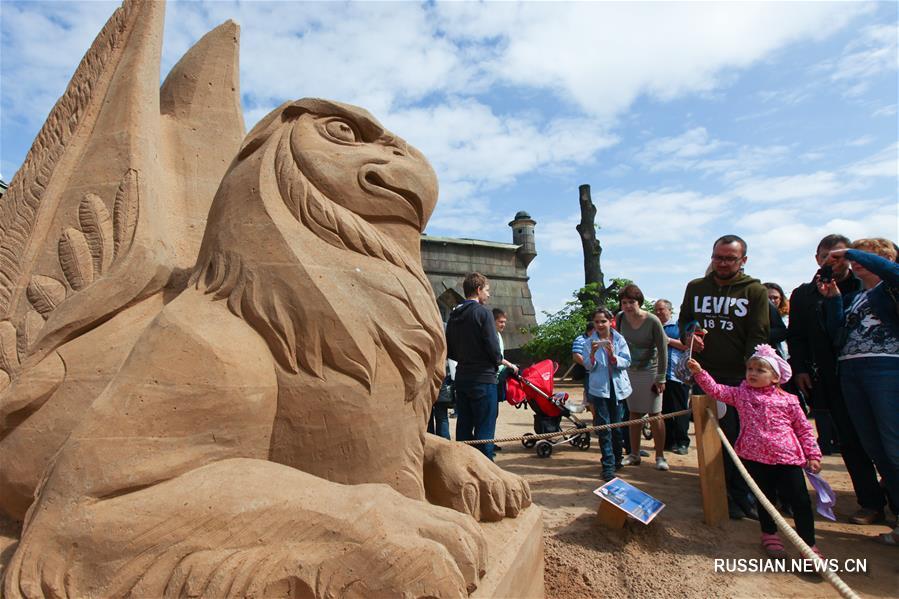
592	249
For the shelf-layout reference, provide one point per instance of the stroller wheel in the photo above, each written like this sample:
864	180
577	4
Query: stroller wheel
583	442
544	449
529	443
647	431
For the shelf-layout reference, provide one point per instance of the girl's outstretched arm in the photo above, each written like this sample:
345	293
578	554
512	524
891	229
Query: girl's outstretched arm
722	393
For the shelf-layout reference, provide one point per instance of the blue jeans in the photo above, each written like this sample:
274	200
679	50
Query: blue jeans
438	423
871	391
607	410
476	410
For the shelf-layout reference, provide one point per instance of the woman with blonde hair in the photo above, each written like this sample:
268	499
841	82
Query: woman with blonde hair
865	327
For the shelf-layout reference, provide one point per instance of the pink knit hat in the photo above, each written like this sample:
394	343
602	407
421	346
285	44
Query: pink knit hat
781	367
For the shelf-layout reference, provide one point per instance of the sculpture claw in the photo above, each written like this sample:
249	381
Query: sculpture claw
460	477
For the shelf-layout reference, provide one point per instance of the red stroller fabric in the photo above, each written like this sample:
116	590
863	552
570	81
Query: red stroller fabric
540	375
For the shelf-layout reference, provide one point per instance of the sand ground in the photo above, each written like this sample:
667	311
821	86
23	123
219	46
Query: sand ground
674	555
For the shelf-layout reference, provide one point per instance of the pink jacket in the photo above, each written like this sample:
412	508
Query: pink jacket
773	428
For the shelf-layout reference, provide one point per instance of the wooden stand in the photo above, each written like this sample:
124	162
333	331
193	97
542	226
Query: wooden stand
711	461
610	515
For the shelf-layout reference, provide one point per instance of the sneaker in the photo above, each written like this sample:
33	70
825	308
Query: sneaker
661	464
680	451
607	476
773	546
631	460
644	453
866	516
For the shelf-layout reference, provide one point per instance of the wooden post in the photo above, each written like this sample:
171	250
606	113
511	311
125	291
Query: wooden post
711	461
610	516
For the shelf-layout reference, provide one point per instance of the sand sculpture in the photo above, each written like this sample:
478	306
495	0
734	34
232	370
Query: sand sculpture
233	406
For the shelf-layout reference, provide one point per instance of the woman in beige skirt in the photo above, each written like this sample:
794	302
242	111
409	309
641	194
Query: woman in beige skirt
648	345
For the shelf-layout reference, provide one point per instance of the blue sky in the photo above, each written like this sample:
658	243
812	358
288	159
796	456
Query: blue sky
774	121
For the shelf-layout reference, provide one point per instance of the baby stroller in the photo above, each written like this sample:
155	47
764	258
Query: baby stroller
533	387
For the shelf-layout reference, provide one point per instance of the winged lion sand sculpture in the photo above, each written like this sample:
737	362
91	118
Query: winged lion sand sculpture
231	405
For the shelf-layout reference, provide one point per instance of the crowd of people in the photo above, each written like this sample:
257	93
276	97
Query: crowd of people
830	350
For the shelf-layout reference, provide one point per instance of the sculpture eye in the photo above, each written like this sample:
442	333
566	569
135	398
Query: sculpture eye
342	131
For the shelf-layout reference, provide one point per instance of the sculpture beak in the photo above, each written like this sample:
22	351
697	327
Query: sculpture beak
405	179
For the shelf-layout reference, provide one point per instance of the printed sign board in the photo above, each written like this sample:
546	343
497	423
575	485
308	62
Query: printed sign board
638	504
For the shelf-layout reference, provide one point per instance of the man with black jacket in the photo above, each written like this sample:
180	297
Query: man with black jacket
814	363
471	340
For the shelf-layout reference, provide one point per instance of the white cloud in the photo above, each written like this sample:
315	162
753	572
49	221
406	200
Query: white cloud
657	216
888	110
559	236
602	56
872	53
696	151
883	164
678	150
821	184
476	151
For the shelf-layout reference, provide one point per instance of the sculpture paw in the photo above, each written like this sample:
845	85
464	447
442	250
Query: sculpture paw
460	477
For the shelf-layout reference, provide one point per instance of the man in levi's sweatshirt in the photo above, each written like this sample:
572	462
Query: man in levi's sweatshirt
733	310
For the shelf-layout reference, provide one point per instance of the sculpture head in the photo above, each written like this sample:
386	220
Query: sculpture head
347	157
314	238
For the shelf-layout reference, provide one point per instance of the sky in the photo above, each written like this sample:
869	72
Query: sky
773	121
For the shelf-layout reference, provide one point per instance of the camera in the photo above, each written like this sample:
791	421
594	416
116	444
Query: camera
825	273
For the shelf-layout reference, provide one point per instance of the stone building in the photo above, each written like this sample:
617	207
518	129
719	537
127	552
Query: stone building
447	260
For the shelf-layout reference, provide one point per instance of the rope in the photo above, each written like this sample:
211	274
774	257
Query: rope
782	525
579	431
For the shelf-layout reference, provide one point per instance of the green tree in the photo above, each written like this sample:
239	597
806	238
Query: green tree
552	339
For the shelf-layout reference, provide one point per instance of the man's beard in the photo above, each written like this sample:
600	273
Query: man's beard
726	277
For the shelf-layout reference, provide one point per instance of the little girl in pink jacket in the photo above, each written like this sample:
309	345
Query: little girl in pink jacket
776	440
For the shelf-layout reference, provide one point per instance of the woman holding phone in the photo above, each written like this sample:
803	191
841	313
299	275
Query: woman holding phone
648	346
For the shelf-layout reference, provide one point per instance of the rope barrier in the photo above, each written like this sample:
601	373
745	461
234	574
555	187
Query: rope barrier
579	431
782	524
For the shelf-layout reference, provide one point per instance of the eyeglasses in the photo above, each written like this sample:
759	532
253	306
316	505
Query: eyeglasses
726	259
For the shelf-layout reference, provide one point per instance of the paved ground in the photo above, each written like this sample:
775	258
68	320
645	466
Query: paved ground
674	555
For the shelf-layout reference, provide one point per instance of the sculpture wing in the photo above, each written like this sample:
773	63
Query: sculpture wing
110	204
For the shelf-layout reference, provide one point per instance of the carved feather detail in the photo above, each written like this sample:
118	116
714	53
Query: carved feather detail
75	259
19	209
31	330
124	214
96	225
45	293
9	357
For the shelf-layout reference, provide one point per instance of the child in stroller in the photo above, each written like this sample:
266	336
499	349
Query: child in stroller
533	387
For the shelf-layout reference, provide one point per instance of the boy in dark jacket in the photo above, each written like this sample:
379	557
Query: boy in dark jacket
733	308
471	341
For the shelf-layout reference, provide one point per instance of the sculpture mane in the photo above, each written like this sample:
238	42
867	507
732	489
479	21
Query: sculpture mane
348	335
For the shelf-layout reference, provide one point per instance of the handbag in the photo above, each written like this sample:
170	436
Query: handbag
446	396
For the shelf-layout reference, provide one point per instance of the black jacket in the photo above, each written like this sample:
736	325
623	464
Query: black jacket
472	342
811	348
778	330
